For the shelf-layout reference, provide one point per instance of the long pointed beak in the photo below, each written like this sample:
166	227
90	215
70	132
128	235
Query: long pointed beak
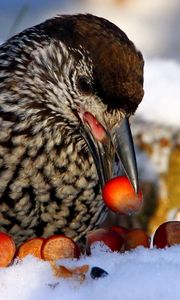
118	140
124	146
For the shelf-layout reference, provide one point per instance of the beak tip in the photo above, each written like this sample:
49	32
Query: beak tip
124	146
135	185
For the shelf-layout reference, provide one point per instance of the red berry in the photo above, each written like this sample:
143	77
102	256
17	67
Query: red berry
136	237
120	230
111	239
31	247
7	249
167	234
59	246
119	196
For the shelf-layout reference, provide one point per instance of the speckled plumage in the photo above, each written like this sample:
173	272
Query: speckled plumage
48	180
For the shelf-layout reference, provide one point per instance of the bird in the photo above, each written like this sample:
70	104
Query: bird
68	87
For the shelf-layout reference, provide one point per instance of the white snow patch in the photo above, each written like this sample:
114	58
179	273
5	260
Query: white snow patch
141	274
162	92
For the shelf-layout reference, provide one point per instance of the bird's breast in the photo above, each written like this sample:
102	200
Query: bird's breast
44	193
75	204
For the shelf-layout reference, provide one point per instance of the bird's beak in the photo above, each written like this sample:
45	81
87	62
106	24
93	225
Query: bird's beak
124	147
118	140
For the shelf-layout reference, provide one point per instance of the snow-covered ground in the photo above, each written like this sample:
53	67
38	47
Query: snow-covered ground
142	274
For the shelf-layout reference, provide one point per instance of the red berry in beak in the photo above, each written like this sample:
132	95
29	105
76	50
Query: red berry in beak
119	196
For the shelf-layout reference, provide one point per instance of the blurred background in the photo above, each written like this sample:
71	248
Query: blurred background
153	25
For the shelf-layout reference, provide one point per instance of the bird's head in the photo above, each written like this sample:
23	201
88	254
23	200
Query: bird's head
85	75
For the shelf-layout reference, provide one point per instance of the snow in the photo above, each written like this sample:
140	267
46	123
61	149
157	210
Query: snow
162	92
140	274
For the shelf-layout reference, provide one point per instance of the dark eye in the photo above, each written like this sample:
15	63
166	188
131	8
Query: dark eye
85	85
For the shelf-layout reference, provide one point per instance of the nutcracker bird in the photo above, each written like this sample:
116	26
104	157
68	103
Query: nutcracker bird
67	89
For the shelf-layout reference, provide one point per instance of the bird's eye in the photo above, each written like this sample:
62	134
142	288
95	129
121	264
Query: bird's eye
85	85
